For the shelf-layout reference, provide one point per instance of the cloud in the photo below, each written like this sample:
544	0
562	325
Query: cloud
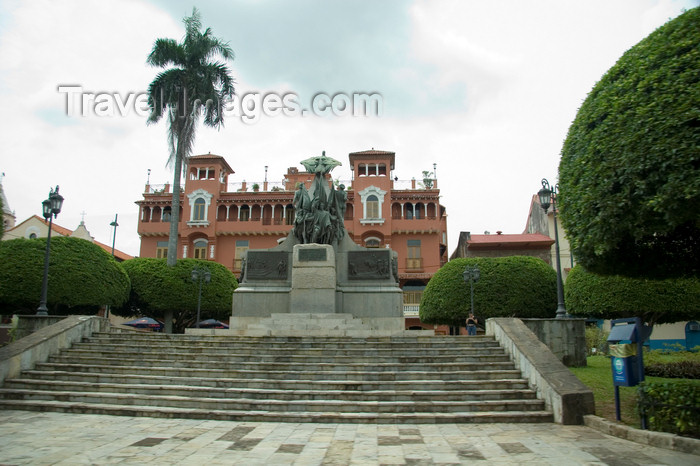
486	90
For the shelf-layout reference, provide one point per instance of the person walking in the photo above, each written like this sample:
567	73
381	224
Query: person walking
471	324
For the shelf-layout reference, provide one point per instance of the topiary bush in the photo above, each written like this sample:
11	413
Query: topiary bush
82	276
157	288
516	286
629	184
613	297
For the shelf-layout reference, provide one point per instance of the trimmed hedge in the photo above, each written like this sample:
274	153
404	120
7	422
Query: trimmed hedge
629	185
516	286
82	276
613	297
156	288
672	407
674	370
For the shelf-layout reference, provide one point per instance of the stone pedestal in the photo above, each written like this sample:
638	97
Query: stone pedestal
313	279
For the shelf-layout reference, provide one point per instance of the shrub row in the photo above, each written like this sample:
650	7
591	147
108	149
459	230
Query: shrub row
672	407
674	370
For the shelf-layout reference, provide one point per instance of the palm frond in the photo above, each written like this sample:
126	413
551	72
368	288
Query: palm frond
166	52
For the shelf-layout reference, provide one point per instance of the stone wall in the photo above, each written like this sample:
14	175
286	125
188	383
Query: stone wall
566	338
23	354
568	398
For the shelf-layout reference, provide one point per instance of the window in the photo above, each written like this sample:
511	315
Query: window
382	169
372	243
166	214
241	248
372	199
419	210
162	250
290	215
408	211
199	205
32	236
372	207
200	249
414	260
245	213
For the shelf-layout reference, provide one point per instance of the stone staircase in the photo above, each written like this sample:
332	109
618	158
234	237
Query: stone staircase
281	379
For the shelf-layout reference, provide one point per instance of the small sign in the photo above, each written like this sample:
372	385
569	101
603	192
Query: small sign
312	255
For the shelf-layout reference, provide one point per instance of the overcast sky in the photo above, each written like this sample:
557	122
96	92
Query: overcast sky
484	89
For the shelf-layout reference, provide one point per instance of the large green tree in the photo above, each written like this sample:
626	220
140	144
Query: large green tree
614	297
2	218
194	86
82	276
158	290
630	169
516	286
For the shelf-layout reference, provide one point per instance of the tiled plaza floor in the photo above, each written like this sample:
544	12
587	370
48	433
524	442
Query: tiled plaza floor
68	439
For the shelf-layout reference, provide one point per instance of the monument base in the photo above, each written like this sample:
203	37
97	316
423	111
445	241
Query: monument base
313	279
320	325
319	290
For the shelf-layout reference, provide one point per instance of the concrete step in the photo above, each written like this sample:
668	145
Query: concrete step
294	405
280	384
287	363
393	343
144	347
267	416
195	391
171	370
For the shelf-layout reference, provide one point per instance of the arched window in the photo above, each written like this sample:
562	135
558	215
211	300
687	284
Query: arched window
372	198
200	249
372	206
199	207
408	211
244	213
166	214
372	243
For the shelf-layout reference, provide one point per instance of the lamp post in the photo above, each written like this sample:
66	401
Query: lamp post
51	208
114	239
548	196
471	275
200	274
115	225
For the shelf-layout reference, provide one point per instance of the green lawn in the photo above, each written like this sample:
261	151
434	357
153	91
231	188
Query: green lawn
598	377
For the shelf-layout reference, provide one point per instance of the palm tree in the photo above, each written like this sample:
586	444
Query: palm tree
192	87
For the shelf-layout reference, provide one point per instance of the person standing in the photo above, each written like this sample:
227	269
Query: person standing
471	324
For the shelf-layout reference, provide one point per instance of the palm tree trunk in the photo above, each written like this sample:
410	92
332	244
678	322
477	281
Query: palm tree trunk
174	221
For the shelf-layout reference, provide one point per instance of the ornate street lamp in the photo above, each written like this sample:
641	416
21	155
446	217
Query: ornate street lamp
51	208
548	197
200	274
471	275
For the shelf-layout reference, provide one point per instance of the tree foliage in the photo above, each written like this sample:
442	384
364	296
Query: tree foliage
157	289
629	172
2	218
82	276
614	297
515	286
193	87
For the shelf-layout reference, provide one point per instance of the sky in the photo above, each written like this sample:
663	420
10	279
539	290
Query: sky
485	90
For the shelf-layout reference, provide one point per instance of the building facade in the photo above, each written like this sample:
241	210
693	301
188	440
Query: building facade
219	220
